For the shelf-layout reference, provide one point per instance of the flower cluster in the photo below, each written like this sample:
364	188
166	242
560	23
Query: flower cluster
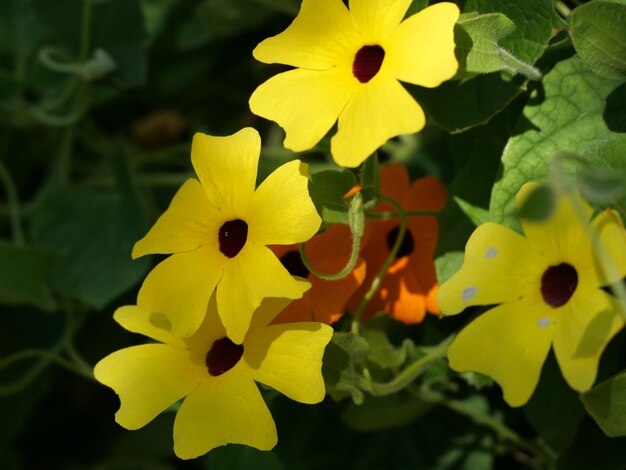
248	291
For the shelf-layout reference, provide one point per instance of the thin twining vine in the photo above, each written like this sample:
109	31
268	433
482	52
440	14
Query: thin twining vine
356	319
357	227
75	363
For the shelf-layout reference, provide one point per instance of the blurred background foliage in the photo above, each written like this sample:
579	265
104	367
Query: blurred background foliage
99	100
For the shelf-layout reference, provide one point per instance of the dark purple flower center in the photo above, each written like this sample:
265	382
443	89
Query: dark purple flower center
292	261
407	245
558	284
232	237
223	356
367	62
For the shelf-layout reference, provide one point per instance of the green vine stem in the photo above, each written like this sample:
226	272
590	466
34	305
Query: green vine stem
412	371
356	320
13	205
501	430
356	228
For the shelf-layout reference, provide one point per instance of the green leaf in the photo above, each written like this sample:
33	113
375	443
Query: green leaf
568	115
598	31
24	275
448	264
378	414
534	24
605	182
459	105
382	352
94	233
539	204
342	361
327	189
476	214
606	403
477	38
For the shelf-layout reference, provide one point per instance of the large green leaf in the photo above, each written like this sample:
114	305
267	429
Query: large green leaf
24	274
606	403
534	24
567	115
460	105
598	31
94	233
477	38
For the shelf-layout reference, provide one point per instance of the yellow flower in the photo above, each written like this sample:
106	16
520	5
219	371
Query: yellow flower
215	376
348	66
549	287
218	229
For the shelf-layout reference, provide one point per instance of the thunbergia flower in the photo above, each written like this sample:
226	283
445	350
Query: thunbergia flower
215	376
408	289
326	300
218	230
549	287
348	66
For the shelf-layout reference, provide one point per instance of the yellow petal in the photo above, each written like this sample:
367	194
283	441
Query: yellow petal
380	110
377	19
282	212
321	36
562	237
253	275
227	168
421	49
153	325
271	306
209	331
610	231
186	225
508	343
305	103
499	266
227	409
148	379
180	287
586	325
288	358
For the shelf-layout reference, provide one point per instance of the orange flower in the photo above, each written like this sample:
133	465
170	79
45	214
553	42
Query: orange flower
326	300
408	289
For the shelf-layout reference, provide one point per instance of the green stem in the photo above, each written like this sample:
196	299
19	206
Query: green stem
562	8
356	223
383	270
72	327
519	66
14	205
85	31
48	355
412	371
501	430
